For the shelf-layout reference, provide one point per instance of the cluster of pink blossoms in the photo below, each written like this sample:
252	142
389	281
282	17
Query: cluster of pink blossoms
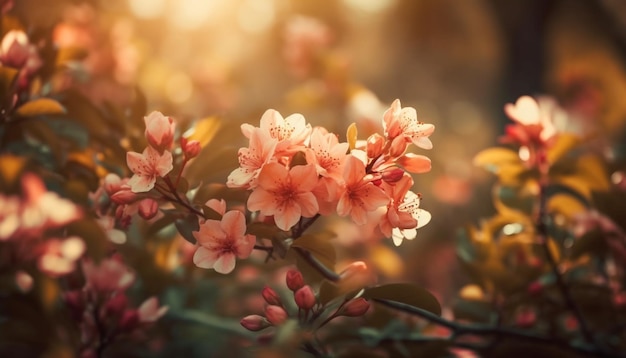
295	171
28	226
102	308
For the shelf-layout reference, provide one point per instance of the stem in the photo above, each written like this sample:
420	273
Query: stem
178	199
180	173
303	226
459	329
542	230
317	265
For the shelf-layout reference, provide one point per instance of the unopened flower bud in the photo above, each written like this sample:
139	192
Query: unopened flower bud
393	176
116	305
112	183
355	268
124	196
254	322
271	297
159	130
354	308
398	147
129	320
294	280
305	298
375	144
191	148
148	208
275	314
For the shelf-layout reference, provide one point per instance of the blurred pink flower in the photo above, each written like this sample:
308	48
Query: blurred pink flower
305	38
252	159
16	51
60	255
159	131
147	167
149	311
359	196
108	276
221	242
285	193
398	121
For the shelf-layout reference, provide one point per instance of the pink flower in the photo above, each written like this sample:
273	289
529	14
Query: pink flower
17	52
252	159
326	153
109	276
291	132
534	120
223	241
398	121
415	163
60	256
191	148
147	167
403	216
360	196
159	131
149	311
286	194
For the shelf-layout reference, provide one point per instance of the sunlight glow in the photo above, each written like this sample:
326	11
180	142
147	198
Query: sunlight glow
191	14
371	6
147	9
256	15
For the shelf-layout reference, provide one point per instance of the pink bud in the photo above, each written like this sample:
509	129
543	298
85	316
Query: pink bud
129	320
112	183
191	148
159	130
294	280
116	305
124	196
355	268
275	314
375	144
354	308
254	322
393	176
148	208
415	163
398	146
271	297
305	298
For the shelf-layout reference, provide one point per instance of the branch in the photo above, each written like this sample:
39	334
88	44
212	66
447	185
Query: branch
317	265
459	329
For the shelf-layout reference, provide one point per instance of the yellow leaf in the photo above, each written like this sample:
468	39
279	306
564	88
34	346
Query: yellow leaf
11	167
40	107
503	162
205	130
565	204
564	143
351	135
70	53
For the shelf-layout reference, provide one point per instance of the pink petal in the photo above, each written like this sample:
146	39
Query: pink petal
286	216
308	204
373	197
304	177
234	224
205	258
210	232
262	200
272	176
218	205
164	164
225	263
344	206
245	246
354	170
141	183
240	177
137	163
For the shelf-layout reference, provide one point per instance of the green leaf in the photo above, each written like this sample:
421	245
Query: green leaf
40	106
406	293
186	226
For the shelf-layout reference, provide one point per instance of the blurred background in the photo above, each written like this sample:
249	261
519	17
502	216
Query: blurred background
338	62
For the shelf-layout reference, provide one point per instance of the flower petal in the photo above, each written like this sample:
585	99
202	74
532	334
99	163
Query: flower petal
205	258
234	224
225	263
262	200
